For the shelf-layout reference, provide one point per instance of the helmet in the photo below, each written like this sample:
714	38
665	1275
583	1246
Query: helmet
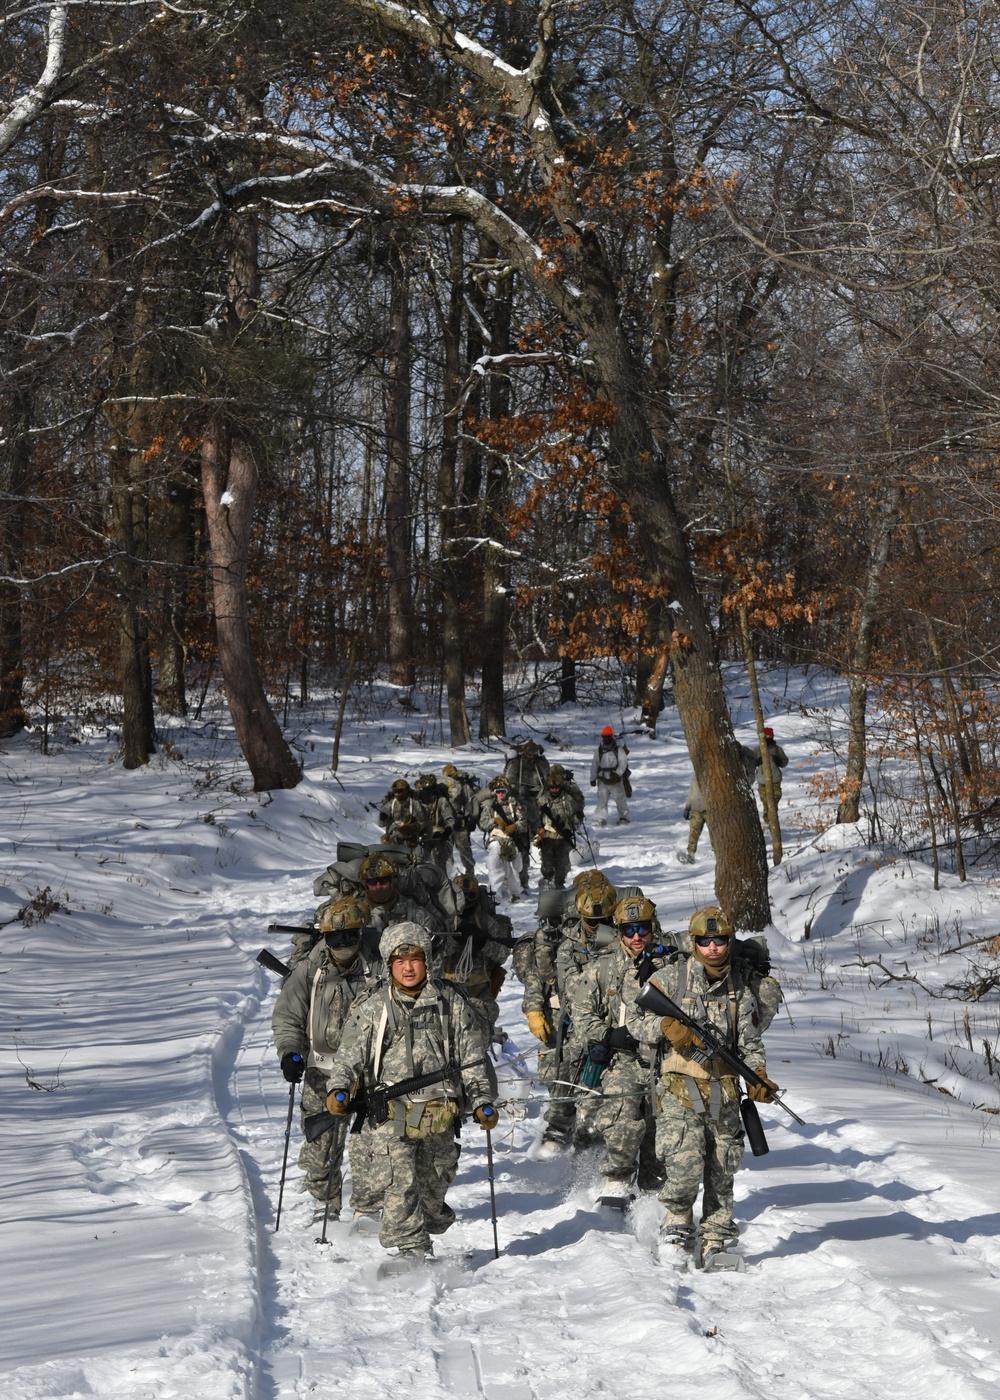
607	732
348	912
557	775
398	937
594	879
499	784
400	788
634	909
466	884
768	732
595	903
377	867
427	782
528	749
711	919
449	770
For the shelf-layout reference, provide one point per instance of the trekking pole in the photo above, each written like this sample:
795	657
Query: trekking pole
590	844
329	1187
493	1191
284	1157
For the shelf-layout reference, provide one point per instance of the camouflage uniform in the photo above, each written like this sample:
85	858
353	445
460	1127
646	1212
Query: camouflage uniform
506	829
607	770
472	958
393	810
534	963
560	812
775	759
699	1132
607	988
577	949
528	773
439	822
308	1019
391	1036
462	788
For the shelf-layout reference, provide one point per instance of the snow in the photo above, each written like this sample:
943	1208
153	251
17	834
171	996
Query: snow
145	1111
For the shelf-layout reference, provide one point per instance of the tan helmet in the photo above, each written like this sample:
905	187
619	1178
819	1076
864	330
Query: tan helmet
377	866
426	782
634	909
499	784
711	919
400	788
528	749
594	879
449	770
594	902
348	912
557	775
466	885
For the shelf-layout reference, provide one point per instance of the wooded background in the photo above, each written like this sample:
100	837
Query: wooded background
359	339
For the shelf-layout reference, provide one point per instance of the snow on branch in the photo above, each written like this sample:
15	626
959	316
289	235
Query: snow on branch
487	364
27	107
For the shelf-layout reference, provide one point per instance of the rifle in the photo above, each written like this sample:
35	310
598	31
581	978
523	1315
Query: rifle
654	998
292	928
374	1105
267	959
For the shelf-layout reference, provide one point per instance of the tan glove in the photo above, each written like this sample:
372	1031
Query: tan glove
681	1037
336	1104
498	977
486	1116
510	828
758	1093
539	1027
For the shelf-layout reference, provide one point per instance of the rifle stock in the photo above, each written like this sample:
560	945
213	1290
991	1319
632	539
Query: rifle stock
267	959
653	998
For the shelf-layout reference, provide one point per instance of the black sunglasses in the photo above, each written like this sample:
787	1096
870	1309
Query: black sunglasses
703	940
342	937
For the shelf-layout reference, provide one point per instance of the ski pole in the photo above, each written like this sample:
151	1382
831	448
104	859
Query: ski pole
329	1188
284	1157
493	1191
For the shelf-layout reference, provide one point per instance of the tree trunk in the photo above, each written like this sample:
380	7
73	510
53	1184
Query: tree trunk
227	470
864	638
398	508
13	518
177	549
129	519
451	608
492	719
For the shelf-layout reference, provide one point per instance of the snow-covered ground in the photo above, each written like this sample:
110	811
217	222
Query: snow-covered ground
145	1112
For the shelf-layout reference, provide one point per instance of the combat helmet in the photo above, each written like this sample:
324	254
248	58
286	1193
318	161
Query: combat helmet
426	784
348	912
499	784
377	866
400	788
594	879
634	909
711	919
557	775
595	903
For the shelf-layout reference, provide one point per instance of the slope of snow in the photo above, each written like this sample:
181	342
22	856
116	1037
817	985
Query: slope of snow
145	1112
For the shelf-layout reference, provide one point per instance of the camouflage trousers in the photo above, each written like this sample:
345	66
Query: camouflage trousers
555	861
692	1146
696	825
572	1112
317	1158
463	849
418	1173
625	1120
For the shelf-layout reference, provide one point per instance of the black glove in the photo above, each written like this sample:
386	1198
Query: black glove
599	1054
687	814
293	1067
593	782
621	1038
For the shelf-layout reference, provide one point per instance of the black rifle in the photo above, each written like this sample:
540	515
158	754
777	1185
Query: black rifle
292	928
374	1104
654	998
267	959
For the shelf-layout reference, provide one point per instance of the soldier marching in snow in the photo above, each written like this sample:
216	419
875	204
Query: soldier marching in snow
400	804
307	1023
609	772
699	1132
560	812
439	819
607	988
773	759
462	789
388	905
415	1024
503	820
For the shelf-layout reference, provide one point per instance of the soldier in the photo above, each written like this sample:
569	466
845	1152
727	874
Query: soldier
307	1022
503	820
609	774
527	772
694	815
399	803
774	759
580	942
474	955
414	1024
462	789
439	819
560	812
607	988
387	903
326	919
699	1133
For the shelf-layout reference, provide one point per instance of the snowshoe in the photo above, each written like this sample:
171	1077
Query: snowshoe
685	858
320	1214
366	1222
716	1259
616	1196
675	1248
405	1261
